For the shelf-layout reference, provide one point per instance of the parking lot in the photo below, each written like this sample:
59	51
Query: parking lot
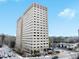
7	53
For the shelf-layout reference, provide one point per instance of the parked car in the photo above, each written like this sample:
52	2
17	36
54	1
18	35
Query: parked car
55	57
5	55
9	55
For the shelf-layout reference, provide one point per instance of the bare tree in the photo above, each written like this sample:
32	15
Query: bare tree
3	36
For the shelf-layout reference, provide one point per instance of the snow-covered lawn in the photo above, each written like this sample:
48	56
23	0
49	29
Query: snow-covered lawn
7	53
66	54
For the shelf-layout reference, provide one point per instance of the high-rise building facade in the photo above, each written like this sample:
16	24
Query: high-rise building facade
32	29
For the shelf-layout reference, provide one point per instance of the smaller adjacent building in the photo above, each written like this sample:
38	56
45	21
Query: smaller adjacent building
71	46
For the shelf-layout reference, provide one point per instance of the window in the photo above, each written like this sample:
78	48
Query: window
41	35
34	35
34	44
37	22
34	47
34	32
41	27
34	10
37	32
37	41
34	24
37	44
37	47
41	30
34	41
40	15
34	29
37	17
37	14
37	38
41	46
34	16
34	21
37	35
37	27
43	18
34	38
46	10
46	38
46	43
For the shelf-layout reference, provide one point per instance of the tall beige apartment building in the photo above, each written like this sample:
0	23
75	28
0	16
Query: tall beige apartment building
32	29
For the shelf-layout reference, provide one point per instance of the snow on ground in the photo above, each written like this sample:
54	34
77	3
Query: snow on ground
66	54
7	53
